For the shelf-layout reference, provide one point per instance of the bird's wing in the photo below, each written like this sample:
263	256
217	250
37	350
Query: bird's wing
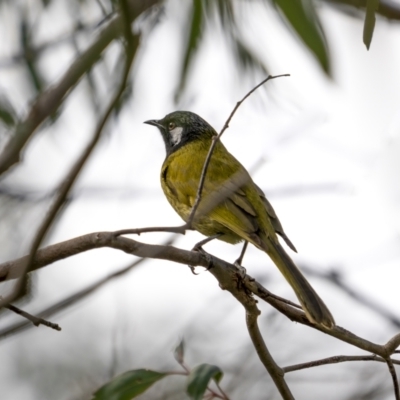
274	219
229	196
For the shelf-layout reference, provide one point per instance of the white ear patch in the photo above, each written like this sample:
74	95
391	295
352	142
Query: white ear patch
176	135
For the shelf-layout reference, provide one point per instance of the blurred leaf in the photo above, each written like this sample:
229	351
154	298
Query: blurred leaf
30	56
224	10
128	385
7	112
179	352
246	57
303	19
195	34
200	377
369	23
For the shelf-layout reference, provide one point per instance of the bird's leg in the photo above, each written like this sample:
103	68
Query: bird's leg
199	247
238	262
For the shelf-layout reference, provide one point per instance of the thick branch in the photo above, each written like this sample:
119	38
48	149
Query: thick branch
80	244
225	273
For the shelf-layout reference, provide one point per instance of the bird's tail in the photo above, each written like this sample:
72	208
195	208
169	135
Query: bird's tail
315	309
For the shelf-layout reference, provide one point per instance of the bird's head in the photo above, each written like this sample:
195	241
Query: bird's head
181	127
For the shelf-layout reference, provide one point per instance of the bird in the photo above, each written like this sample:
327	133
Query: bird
232	207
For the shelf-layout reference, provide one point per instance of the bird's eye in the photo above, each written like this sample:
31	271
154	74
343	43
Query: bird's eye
171	126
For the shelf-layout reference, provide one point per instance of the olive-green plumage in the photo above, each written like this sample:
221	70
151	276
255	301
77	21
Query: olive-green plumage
232	204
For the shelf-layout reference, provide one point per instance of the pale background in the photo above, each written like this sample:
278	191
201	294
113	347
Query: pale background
331	158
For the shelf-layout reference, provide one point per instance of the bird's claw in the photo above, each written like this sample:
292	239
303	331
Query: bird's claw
199	249
241	270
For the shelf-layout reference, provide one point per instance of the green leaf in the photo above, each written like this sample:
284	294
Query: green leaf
224	9
7	112
195	34
304	20
200	377
248	60
179	352
128	385
369	23
30	56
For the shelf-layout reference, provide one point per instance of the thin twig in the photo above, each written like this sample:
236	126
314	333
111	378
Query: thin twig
276	373
224	395
138	231
265	294
76	169
335	360
35	320
214	142
393	374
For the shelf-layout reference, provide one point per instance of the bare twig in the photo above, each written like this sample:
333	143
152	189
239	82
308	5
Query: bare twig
214	142
224	395
265	293
276	373
335	360
132	43
173	229
393	374
35	320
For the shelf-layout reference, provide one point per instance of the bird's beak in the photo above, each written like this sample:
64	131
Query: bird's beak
154	122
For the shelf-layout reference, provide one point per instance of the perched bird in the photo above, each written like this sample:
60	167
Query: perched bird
232	206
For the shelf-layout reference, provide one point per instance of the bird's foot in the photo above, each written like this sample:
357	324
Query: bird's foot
241	270
198	248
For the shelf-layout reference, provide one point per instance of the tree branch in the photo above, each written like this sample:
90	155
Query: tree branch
132	42
225	273
335	360
276	373
393	374
49	101
338	332
35	320
227	276
76	297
